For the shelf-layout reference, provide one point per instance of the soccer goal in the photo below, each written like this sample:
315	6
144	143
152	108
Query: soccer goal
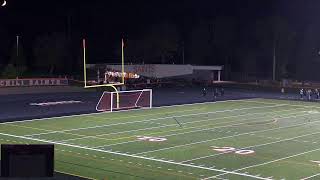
122	100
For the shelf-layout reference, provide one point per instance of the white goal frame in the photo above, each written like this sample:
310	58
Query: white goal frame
118	93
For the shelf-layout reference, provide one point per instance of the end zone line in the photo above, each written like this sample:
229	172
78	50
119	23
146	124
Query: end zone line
155	119
139	157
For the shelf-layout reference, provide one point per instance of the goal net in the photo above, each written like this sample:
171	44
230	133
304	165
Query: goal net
113	101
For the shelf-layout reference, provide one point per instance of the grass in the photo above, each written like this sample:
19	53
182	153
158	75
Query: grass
241	139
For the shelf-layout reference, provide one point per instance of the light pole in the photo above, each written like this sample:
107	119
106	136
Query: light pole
17	45
183	52
274	61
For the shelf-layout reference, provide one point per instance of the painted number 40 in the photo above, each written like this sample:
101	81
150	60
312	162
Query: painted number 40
232	150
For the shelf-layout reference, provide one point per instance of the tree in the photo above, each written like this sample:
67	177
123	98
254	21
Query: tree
51	53
10	72
17	60
158	44
199	44
284	42
163	39
268	38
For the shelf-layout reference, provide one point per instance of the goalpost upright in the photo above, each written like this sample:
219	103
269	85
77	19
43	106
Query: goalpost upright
127	100
104	85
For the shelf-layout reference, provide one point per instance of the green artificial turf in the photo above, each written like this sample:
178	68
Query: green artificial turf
240	139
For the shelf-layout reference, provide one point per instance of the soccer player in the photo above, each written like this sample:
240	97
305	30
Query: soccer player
316	91
214	94
222	91
204	92
309	92
216	91
301	93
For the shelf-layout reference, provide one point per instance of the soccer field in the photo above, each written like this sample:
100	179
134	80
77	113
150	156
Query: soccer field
236	139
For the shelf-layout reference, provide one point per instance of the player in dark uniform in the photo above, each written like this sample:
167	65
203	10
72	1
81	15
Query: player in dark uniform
216	91
214	94
222	92
317	93
204	92
305	92
309	93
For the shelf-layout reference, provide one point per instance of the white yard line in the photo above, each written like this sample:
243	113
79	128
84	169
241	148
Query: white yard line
95	113
199	142
229	125
106	134
315	175
293	105
155	119
253	146
268	162
139	157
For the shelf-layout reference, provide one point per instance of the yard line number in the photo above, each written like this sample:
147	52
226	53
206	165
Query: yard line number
151	139
233	150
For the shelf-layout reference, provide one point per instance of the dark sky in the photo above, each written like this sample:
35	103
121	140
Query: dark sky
129	17
123	17
108	20
105	22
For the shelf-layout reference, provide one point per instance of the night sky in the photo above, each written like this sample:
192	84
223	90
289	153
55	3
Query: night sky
104	23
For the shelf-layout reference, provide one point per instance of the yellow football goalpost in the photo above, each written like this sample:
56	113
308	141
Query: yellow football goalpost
103	85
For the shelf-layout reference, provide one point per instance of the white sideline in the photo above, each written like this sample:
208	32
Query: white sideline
155	119
310	176
253	146
199	142
294	105
160	107
139	157
268	162
192	127
229	125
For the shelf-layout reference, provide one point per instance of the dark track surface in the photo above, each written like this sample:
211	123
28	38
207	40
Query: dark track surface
17	107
